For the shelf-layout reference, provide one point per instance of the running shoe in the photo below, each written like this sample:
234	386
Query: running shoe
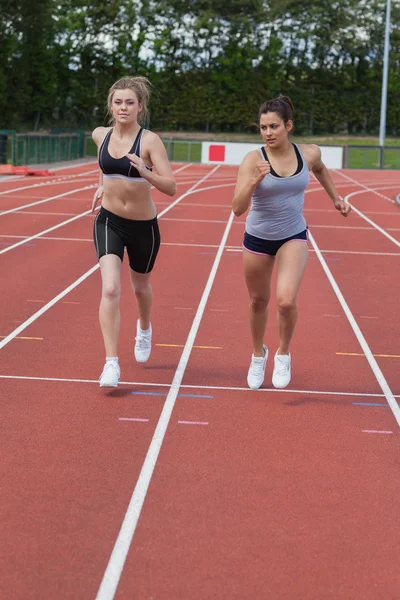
255	376
281	374
110	375
143	344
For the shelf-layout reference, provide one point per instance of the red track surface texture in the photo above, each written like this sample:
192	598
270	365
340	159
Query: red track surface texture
182	483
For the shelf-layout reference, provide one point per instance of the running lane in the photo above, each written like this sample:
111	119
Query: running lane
71	457
285	493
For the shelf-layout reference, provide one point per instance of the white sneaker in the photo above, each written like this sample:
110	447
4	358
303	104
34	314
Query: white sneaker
281	374
143	344
110	375
255	376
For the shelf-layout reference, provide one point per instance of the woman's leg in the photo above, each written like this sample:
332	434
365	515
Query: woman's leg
291	261
258	271
144	297
110	268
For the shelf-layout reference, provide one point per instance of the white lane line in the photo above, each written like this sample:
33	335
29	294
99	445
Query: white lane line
44	214
361	253
85	275
201	220
37	235
370	221
228	248
365	187
221	388
13	210
59	195
116	563
46	307
87	212
360	337
39	186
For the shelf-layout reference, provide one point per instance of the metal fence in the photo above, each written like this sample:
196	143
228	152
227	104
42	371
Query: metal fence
371	157
30	149
183	150
27	148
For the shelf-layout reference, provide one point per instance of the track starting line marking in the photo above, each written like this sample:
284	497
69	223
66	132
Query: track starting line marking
147	420
375	431
199	387
182	345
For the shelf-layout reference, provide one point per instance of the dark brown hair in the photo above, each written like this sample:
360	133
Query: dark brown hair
282	106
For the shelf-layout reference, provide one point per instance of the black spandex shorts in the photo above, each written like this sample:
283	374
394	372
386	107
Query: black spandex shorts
259	246
112	233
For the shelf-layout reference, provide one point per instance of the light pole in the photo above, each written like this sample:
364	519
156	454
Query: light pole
382	128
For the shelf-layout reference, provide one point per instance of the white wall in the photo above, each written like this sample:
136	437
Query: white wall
230	153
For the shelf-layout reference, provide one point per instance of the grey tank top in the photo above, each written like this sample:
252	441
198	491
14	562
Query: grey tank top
276	210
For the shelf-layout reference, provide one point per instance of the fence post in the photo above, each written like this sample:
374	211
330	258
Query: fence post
170	149
345	161
381	157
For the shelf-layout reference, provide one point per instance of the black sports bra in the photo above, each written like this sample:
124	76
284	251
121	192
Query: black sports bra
299	162
120	167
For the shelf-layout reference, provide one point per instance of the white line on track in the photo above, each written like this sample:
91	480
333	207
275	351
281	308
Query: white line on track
188	245
369	189
87	212
45	214
46	307
221	388
54	175
37	235
360	337
39	185
116	563
13	210
370	221
35	316
65	179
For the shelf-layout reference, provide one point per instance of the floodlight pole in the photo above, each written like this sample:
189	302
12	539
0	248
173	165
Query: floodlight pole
382	128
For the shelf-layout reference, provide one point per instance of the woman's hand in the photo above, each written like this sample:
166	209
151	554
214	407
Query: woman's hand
343	207
261	169
138	164
97	196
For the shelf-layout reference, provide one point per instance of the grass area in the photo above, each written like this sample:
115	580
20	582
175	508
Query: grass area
368	158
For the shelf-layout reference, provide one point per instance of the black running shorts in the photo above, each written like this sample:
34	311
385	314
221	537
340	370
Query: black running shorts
112	234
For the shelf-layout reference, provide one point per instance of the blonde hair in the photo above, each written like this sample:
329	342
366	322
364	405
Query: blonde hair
141	86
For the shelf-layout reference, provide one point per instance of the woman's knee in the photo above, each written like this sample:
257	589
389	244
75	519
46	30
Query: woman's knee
142	289
111	291
259	303
286	304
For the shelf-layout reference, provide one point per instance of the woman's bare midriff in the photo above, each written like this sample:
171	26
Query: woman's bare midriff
128	199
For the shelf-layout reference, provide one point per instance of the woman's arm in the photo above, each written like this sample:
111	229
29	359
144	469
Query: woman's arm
322	174
163	179
251	172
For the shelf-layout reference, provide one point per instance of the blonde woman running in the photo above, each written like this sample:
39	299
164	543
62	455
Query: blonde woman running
127	218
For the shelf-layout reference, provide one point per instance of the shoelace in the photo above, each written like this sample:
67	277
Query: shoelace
257	367
109	367
281	367
143	342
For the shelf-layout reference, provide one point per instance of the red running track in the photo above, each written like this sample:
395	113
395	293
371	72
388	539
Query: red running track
234	493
